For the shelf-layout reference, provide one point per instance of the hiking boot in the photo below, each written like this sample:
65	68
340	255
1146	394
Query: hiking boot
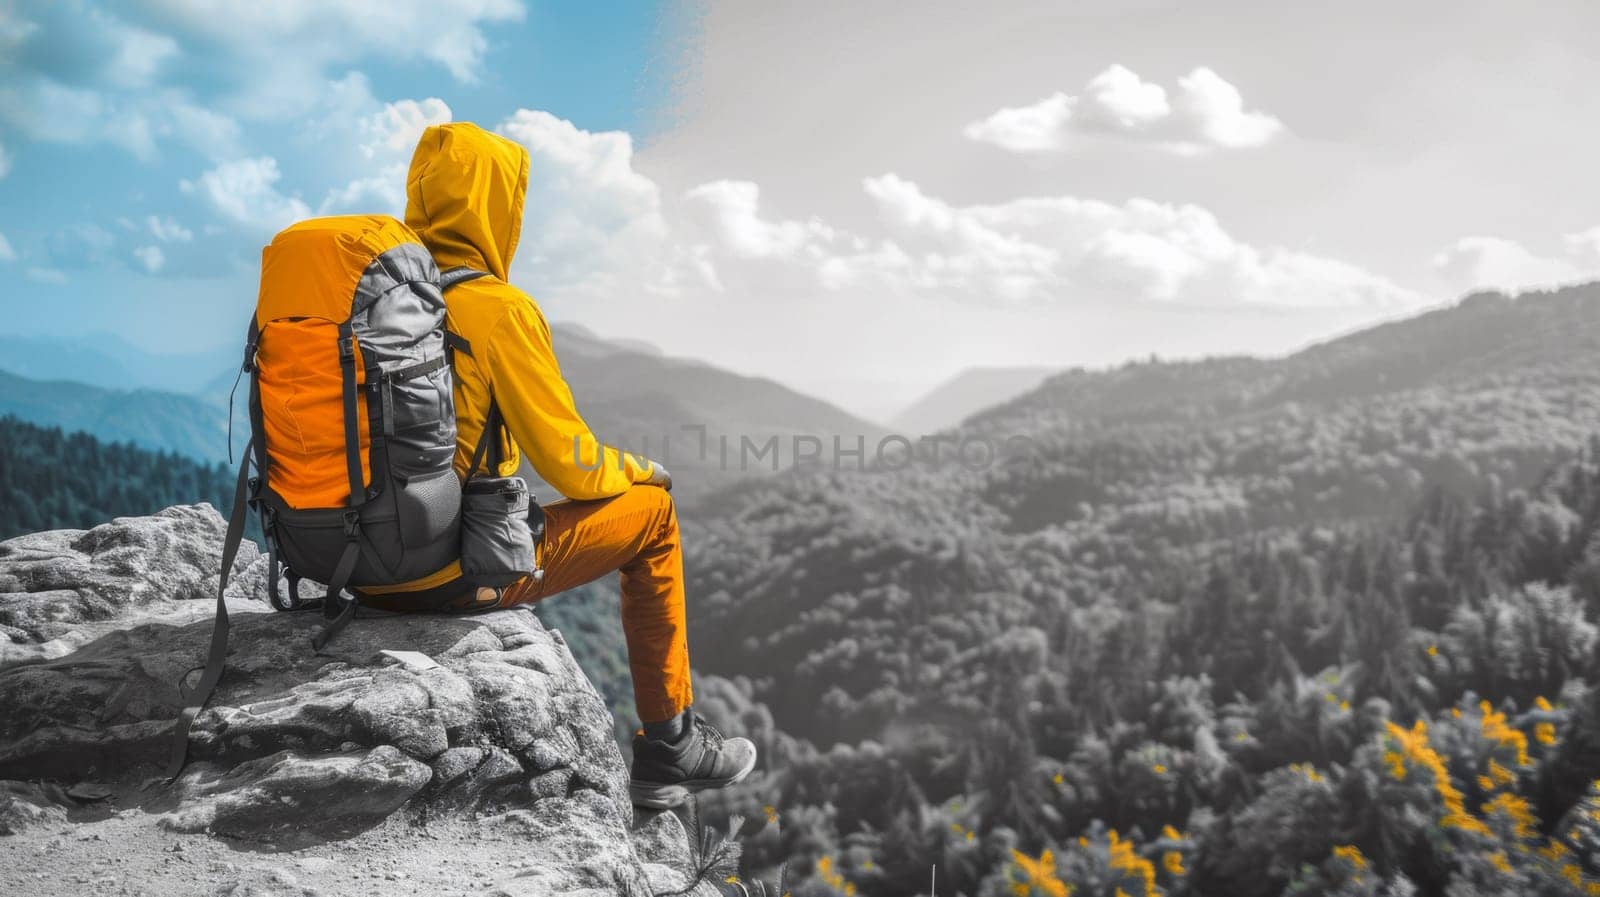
665	773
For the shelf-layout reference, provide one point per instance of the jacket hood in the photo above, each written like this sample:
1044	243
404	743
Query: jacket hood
464	196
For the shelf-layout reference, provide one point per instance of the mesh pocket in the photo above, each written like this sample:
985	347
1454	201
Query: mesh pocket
427	508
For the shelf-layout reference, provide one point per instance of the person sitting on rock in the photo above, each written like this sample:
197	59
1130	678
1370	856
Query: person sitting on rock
464	198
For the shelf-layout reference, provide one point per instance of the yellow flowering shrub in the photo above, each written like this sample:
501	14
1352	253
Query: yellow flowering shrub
1511	815
1103	863
1544	730
1500	847
1172	861
1132	866
1412	750
828	871
1345	873
1351	855
1499	732
1032	876
1307	770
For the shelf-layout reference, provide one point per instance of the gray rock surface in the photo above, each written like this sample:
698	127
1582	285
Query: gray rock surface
27	805
264	883
60	588
297	748
271	797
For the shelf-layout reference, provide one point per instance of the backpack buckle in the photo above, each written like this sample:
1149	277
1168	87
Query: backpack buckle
252	351
352	525
347	348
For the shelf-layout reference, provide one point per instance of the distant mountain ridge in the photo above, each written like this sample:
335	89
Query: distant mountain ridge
109	362
630	392
1482	336
147	418
636	397
969	392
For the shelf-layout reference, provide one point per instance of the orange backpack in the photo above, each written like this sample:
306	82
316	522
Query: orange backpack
353	423
352	409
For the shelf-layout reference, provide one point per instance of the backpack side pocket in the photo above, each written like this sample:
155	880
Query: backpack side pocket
496	541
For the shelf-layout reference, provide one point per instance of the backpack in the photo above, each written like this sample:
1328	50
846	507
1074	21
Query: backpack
353	425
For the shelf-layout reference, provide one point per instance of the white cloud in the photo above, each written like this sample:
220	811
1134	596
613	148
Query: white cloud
1205	112
1583	247
388	138
394	130
589	214
139	52
1119	100
7	254
725	243
383	192
1045	250
168	230
593	223
1026	129
76	73
46	110
1211	109
151	257
1496	263
730	211
244	192
318	33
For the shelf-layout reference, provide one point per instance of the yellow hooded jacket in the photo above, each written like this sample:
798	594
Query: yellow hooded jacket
464	197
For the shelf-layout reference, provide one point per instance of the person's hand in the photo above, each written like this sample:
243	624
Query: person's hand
659	476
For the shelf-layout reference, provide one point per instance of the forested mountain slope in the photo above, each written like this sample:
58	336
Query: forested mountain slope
1194	575
55	480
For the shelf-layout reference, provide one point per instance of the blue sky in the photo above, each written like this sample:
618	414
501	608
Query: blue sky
86	196
858	200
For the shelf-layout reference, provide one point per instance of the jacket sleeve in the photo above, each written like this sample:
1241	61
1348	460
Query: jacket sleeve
539	411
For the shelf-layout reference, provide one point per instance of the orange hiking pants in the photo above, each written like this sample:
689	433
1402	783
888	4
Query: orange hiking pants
637	533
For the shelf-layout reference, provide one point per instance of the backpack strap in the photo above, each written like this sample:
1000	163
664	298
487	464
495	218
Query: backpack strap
337	610
252	339
454	276
352	422
420	369
488	448
195	700
454	342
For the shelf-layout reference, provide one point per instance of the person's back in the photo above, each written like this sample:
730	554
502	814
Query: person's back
465	193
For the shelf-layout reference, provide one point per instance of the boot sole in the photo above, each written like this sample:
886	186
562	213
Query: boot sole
669	797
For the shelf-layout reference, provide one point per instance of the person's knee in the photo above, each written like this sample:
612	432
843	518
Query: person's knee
665	508
651	496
